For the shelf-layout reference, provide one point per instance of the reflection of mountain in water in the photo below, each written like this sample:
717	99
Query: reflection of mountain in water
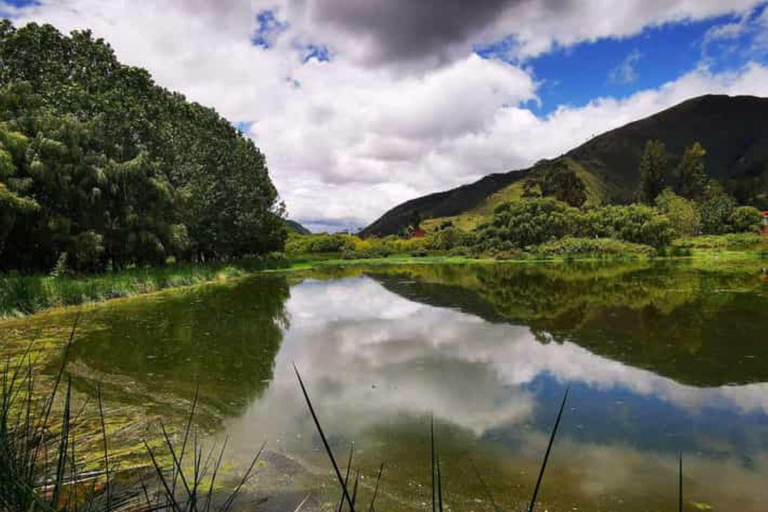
222	338
704	328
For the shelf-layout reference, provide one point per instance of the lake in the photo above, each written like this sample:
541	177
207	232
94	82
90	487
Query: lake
660	358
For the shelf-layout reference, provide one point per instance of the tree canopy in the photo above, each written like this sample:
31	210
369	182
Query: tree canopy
693	178
653	171
99	163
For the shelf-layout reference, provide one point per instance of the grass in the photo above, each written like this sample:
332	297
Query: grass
24	295
42	462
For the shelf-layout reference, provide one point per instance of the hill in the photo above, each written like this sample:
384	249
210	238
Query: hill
734	130
294	227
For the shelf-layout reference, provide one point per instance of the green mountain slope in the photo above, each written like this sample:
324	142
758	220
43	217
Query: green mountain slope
294	227
734	130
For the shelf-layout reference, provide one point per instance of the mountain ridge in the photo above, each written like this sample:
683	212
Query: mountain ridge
733	129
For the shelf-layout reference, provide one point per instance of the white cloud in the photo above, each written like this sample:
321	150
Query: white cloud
625	72
348	139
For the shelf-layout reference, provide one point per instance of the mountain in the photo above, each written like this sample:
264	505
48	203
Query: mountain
733	129
294	227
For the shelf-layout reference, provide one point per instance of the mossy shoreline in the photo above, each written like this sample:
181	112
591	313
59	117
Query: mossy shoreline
26	295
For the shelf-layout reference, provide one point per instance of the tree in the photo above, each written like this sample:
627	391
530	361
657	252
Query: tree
98	162
682	213
653	171
557	180
746	219
716	212
529	222
693	179
634	223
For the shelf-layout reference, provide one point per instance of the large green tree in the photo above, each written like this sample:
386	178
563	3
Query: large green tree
693	178
98	162
653	171
558	180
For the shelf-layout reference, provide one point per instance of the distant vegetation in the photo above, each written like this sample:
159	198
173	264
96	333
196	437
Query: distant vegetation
555	215
100	168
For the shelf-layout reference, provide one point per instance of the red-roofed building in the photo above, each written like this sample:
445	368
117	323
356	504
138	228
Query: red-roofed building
765	223
416	232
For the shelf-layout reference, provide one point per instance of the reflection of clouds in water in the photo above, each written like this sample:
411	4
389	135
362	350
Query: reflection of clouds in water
633	475
372	359
345	333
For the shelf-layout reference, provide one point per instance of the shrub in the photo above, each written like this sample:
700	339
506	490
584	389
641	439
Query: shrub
635	223
746	219
528	222
571	247
716	213
732	241
683	214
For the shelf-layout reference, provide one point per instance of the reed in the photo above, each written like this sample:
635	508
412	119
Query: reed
40	470
24	295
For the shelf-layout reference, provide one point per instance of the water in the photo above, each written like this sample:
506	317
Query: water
660	359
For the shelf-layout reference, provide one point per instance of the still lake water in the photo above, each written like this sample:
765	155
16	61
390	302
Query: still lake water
660	358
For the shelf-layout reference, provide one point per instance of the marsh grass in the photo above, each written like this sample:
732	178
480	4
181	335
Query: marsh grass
23	295
42	465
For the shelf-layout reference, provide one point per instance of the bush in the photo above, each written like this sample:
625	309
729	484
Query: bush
732	242
320	243
528	222
571	247
746	219
716	213
635	223
683	214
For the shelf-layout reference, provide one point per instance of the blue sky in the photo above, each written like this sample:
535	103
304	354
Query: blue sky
362	105
620	67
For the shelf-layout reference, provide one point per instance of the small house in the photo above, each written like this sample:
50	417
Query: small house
765	223
416	232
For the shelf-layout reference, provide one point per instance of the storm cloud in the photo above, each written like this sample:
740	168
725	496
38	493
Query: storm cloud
435	32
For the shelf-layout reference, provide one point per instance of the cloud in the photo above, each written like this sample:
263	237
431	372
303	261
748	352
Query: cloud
433	32
625	72
388	109
747	35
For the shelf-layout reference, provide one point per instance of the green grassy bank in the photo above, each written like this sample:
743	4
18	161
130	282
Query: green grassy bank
24	295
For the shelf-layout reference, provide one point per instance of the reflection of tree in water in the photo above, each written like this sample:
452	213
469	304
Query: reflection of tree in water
698	327
222	338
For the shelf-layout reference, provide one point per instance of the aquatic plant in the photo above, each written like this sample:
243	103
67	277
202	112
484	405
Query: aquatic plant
41	471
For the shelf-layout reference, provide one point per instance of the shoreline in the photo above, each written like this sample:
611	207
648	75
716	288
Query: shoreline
151	281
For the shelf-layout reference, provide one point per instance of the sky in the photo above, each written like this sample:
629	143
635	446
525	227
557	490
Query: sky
360	105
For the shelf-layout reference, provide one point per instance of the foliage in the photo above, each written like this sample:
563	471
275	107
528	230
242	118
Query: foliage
316	243
653	171
746	219
527	222
692	176
570	247
99	162
21	295
731	242
557	180
716	211
634	223
682	213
